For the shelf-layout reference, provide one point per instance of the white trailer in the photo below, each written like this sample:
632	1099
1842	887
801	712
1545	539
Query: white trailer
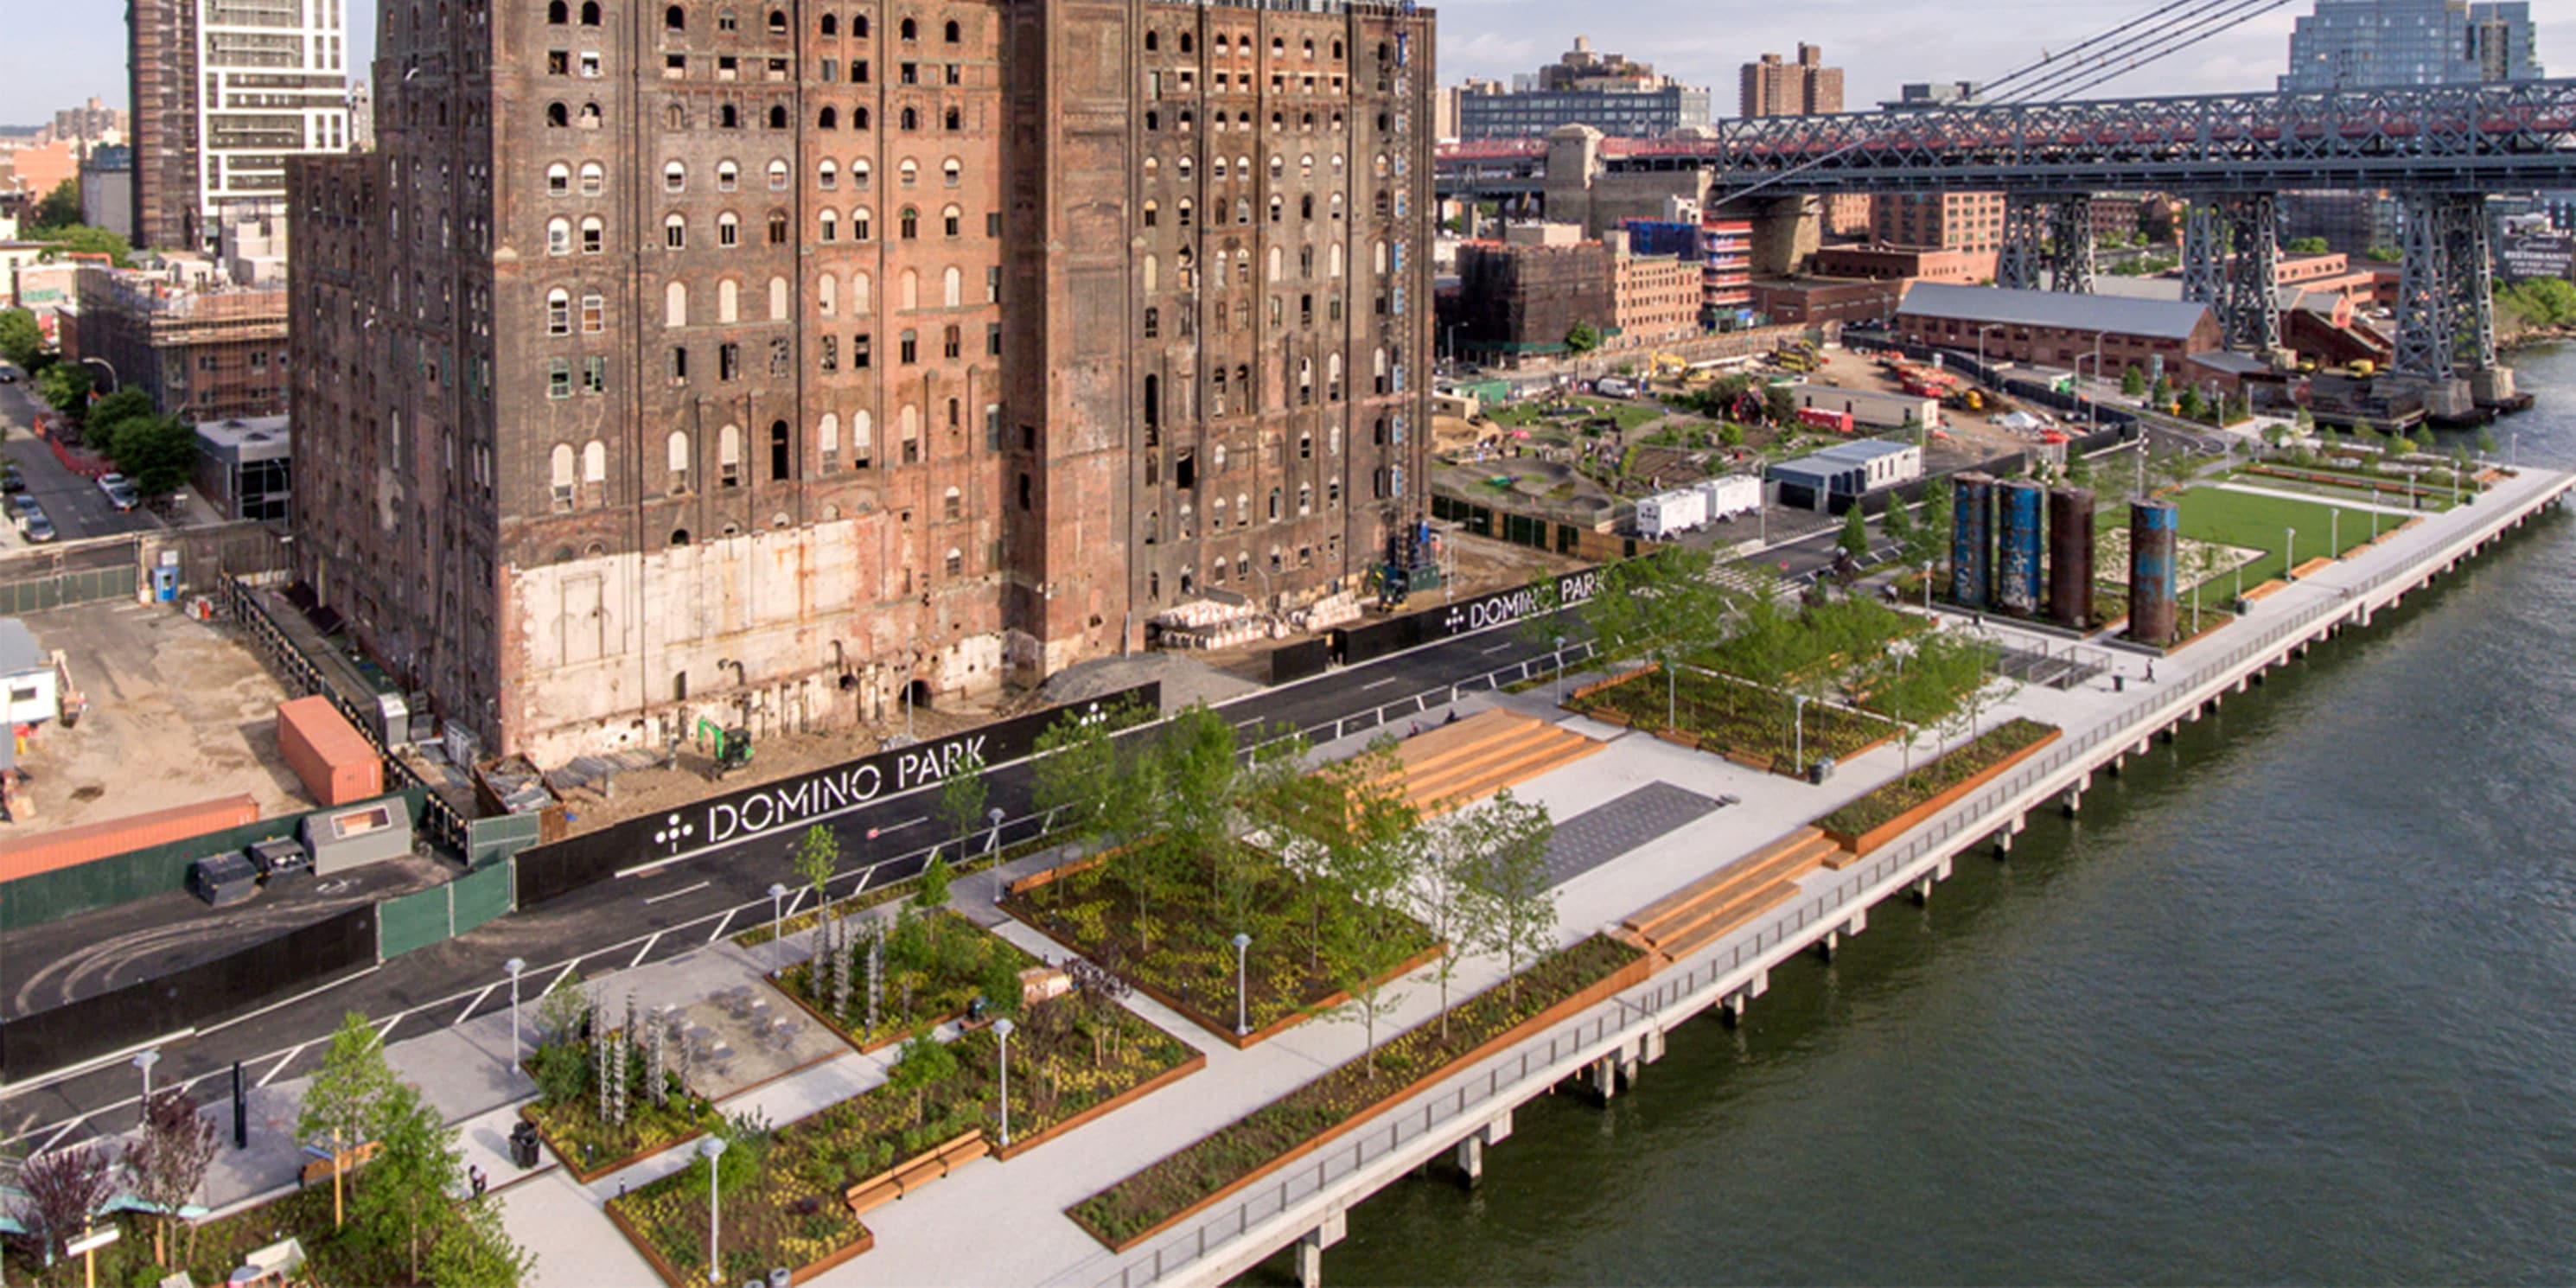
1730	496
1666	514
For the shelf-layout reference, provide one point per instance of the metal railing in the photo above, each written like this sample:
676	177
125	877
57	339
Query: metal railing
1478	1098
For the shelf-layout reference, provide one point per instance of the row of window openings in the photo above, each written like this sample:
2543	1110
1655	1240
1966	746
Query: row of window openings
676	18
1242	569
729	117
592	461
1223	81
675	228
1220	48
1187	117
952	345
675	176
1243	165
728	68
1243	512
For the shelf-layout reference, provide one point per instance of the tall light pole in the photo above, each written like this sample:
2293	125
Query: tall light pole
1557	694
145	1061
1242	985
517	966
1002	1030
1800	760
2334	534
777	916
711	1148
994	817
2290	554
1981	346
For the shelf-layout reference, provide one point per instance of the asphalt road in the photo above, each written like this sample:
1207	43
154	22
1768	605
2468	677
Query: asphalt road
75	504
624	922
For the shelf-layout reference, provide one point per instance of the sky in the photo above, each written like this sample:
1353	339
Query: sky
56	53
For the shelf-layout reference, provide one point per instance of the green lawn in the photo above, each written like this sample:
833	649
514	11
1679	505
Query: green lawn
1629	414
2257	523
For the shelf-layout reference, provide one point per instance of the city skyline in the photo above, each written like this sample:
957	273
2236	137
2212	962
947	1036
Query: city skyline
70	53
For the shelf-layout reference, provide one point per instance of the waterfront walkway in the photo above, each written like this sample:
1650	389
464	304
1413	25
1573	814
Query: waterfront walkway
945	1233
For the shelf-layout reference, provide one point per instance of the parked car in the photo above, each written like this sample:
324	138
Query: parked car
8	375
22	504
119	490
37	527
11	480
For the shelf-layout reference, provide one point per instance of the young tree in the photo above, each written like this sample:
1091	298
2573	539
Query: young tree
1369	861
155	452
1443	895
1514	913
1931	543
2133	382
1855	538
1897	525
1582	337
925	1061
168	1159
410	1185
817	857
961	802
112	411
474	1251
1666	605
65	386
60	1193
21	339
347	1104
935	877
1092	789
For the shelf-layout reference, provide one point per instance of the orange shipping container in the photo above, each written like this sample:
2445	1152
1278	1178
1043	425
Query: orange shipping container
75	845
335	762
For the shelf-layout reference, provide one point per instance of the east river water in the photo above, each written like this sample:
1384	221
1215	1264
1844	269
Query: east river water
2294	1001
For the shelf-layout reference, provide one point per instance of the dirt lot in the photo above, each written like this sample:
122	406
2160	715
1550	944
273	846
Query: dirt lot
1973	434
178	713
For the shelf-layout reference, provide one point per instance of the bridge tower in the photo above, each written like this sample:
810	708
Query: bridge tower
2445	304
2231	258
2017	261
2047	243
2070	245
2252	313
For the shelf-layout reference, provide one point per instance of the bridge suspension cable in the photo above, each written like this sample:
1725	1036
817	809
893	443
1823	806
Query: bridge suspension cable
2125	40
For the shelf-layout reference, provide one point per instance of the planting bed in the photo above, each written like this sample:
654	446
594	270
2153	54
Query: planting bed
1071	1056
1238	1153
1862	824
1735	719
210	1252
1179	952
935	964
591	1148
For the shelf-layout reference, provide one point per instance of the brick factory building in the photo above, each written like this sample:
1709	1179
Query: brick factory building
692	359
1816	301
2055	328
205	336
1520	297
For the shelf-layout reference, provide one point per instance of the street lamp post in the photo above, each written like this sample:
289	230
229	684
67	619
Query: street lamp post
2290	554
994	817
517	966
1981	346
1556	695
1800	759
711	1148
145	1061
1242	985
2334	534
1002	1030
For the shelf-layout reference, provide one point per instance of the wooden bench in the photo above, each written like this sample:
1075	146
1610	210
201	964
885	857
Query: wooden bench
320	1169
913	1173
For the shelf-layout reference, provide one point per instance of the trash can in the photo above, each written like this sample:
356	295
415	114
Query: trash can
523	1145
1823	769
780	1277
2119	684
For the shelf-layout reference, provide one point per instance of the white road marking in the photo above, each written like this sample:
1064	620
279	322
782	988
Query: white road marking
649	941
468	1012
674	894
1378	684
720	926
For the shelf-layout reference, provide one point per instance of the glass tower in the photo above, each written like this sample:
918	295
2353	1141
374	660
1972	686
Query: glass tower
2357	44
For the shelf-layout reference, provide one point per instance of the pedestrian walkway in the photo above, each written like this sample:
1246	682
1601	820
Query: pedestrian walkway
2318	498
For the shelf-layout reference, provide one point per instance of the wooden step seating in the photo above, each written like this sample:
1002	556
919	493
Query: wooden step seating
1455	765
1704	911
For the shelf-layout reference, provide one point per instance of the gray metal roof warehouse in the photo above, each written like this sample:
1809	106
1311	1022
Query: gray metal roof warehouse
2058	310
